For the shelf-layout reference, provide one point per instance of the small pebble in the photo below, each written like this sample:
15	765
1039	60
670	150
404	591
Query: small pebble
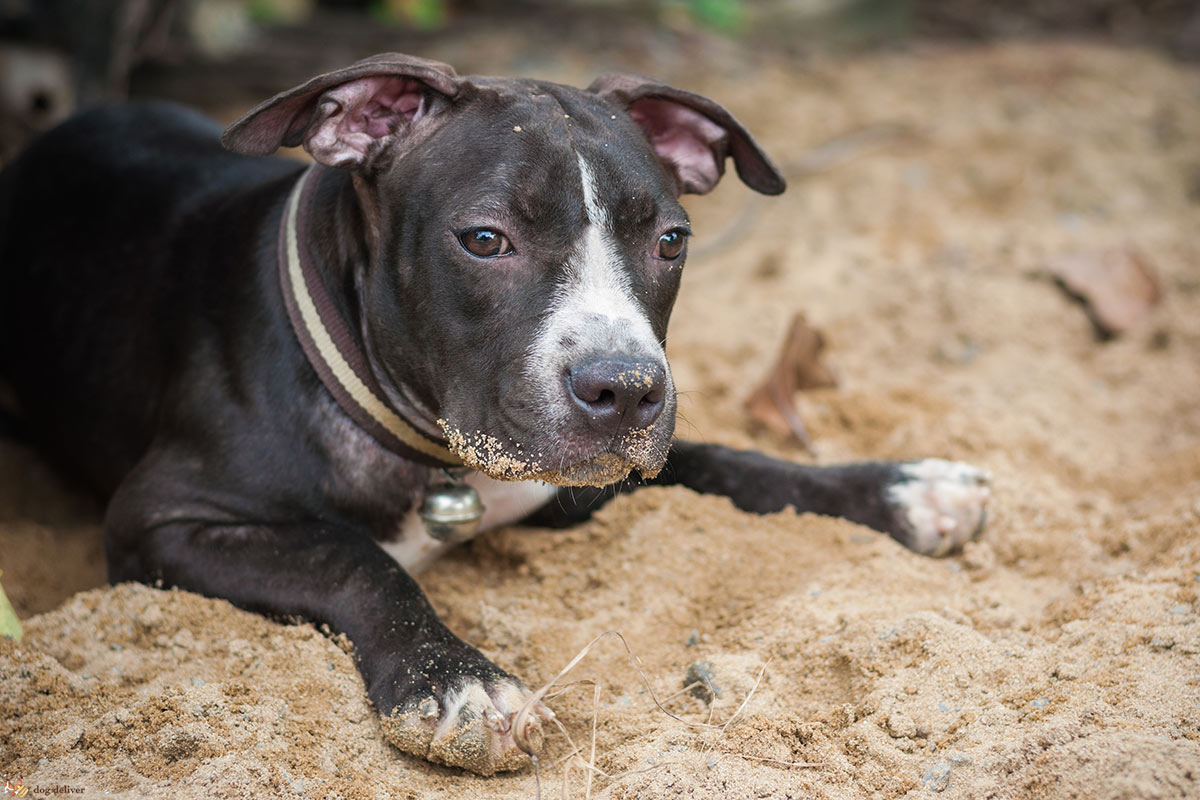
937	777
700	673
962	350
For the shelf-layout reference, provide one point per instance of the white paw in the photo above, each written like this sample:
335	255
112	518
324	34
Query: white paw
943	502
472	727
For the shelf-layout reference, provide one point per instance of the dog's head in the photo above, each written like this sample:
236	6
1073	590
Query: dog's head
526	244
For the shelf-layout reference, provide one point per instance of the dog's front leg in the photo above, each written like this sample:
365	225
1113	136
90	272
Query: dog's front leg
440	698
931	506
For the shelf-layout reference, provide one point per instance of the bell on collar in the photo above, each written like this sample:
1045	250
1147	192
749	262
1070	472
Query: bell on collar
451	512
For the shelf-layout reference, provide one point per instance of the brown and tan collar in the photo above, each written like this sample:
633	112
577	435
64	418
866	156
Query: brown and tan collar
329	343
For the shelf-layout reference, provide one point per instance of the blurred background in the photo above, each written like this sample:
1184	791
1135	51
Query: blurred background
222	55
990	228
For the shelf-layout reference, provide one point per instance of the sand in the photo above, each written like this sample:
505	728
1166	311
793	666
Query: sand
1058	657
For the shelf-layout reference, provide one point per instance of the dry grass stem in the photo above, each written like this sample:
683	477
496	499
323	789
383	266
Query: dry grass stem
779	762
522	719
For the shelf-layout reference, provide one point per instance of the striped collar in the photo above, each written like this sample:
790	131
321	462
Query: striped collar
330	346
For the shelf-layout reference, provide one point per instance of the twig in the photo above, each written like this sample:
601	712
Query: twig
805	764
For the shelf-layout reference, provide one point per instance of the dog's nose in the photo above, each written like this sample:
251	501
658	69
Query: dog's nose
617	393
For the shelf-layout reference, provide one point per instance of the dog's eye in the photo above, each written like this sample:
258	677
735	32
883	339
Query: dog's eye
485	242
670	245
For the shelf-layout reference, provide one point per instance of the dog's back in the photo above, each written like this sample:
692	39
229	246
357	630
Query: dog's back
86	204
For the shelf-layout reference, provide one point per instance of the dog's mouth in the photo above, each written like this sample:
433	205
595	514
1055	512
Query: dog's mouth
604	469
643	449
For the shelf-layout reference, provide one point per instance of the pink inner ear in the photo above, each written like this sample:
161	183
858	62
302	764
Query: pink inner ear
690	145
354	115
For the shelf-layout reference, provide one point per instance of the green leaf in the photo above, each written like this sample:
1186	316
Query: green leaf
423	14
10	626
725	15
427	14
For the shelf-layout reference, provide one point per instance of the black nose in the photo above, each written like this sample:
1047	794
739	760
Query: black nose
616	393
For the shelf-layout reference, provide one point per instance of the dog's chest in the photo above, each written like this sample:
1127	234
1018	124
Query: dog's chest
361	476
365	476
505	502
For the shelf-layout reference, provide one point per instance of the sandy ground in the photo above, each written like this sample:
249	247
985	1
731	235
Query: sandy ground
1059	657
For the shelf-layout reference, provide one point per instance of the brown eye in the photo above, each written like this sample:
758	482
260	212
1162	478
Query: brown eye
485	242
670	245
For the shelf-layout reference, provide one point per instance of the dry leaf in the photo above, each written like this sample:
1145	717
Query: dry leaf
799	366
1116	286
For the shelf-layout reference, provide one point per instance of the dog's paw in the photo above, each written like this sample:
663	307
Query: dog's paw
469	726
941	505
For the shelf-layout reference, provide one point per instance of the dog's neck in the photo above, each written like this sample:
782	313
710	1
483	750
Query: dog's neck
317	270
335	239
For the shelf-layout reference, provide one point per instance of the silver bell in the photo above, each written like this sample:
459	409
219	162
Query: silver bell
451	512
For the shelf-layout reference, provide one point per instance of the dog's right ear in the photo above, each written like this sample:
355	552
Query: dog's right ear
338	116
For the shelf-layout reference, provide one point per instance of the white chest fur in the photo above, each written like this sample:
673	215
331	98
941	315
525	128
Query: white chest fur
504	502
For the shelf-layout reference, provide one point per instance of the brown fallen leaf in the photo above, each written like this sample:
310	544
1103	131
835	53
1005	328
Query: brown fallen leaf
799	366
1116	286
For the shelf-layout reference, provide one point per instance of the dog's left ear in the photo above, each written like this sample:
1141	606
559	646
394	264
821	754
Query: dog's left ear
340	115
691	134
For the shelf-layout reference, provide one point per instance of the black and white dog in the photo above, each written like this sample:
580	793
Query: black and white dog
266	365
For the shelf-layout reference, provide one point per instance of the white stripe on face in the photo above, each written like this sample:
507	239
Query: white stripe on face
593	312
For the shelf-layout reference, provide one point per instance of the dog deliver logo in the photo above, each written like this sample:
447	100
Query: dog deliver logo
15	788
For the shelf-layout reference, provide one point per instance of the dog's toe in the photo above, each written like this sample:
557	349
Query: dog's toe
470	727
943	504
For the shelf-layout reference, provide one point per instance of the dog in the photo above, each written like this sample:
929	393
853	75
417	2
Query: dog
264	365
